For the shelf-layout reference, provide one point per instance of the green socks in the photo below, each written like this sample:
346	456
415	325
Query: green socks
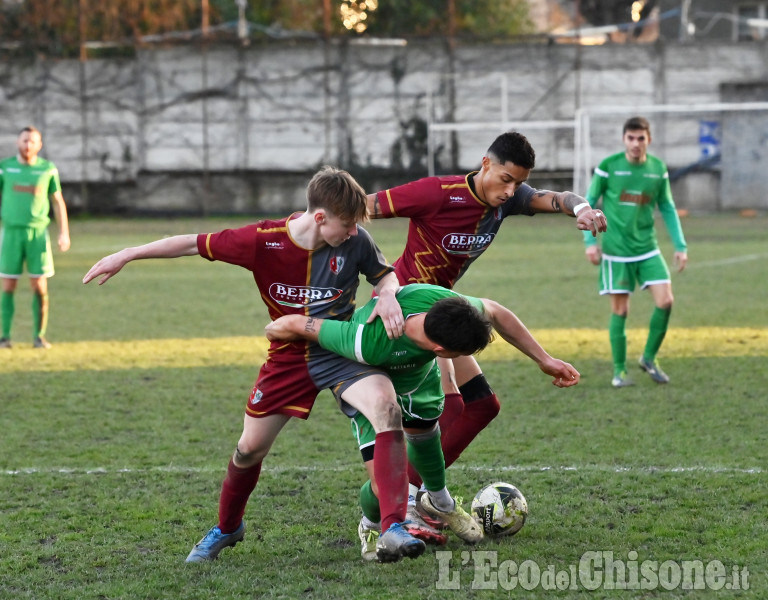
426	455
7	308
40	313
618	336
369	503
656	332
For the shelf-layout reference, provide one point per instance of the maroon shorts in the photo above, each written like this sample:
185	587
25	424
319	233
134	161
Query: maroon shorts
289	382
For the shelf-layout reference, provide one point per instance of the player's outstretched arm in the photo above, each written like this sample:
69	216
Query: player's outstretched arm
374	207
172	247
290	328
573	205
513	331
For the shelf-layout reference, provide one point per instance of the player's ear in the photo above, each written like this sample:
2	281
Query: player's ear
319	217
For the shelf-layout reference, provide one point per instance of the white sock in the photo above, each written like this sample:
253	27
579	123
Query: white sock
368	524
412	491
442	500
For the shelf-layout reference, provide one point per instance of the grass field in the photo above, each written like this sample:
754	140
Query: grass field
114	442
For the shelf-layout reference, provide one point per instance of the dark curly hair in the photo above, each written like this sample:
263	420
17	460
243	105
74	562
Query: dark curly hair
458	326
513	147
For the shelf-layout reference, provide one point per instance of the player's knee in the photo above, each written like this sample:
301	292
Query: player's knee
476	388
480	402
391	416
666	302
385	414
245	457
487	409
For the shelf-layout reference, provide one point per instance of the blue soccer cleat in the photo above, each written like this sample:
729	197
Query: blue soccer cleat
396	542
654	370
214	542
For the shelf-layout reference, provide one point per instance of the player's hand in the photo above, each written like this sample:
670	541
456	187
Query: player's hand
64	242
590	219
280	330
565	375
680	260
106	267
390	313
593	254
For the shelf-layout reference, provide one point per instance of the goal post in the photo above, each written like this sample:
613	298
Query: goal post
716	153
552	135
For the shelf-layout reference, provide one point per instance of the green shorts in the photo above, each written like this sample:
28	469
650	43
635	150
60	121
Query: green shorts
25	244
620	275
425	403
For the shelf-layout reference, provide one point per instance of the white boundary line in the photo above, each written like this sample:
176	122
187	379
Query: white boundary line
338	469
728	261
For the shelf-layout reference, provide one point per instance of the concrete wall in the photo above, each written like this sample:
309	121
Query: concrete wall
228	129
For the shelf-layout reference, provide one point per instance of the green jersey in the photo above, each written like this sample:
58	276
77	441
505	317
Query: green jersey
407	365
630	193
25	191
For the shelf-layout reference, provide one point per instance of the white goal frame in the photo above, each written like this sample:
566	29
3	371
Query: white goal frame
728	173
584	157
496	127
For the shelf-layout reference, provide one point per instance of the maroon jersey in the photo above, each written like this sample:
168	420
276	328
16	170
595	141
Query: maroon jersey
293	280
450	226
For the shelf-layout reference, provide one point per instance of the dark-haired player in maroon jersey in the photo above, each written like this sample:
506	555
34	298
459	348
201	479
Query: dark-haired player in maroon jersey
307	264
453	220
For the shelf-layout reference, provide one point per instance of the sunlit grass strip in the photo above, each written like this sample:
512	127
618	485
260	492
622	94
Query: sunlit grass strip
138	354
679	343
244	351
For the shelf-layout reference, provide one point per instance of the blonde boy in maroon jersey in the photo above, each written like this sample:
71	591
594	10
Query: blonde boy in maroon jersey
306	264
453	220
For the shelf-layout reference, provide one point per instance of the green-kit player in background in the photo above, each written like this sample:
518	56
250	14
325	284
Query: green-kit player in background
29	185
632	184
438	322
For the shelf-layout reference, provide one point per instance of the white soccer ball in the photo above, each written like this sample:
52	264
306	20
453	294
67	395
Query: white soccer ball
500	509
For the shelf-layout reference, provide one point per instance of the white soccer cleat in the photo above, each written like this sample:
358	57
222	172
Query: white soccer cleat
459	520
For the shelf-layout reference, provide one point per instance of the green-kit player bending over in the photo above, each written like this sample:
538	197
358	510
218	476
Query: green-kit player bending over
439	322
28	184
632	184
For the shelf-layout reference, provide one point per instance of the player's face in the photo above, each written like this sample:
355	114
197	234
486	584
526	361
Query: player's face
29	143
336	230
497	183
636	144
